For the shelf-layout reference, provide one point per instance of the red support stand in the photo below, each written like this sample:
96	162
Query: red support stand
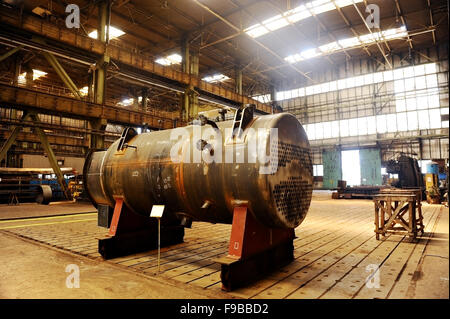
254	250
116	216
131	233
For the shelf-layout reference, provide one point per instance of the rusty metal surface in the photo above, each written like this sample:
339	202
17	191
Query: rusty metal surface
146	175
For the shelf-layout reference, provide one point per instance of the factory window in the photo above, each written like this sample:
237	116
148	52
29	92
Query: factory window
318	127
424	122
371	125
113	33
435	118
335	129
265	98
381	124
280	96
170	59
444	111
413	124
343	126
420	76
391	123
327	131
416	98
423	165
377	77
353	125
301	92
318	170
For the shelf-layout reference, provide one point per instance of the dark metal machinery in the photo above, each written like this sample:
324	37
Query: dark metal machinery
263	195
409	177
408	170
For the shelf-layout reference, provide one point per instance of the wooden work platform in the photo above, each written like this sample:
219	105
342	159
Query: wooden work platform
335	254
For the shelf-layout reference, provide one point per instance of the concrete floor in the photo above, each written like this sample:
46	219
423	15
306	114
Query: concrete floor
26	210
334	246
36	271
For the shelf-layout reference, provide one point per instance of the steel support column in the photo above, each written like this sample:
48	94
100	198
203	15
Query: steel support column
190	96
97	141
185	55
238	79
10	141
273	94
62	74
194	69
194	63
104	13
144	102
51	157
185	67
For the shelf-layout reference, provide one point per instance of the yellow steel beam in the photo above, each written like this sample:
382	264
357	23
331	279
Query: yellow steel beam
51	157
10	52
12	137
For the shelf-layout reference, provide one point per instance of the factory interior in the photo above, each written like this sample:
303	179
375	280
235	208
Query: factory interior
224	149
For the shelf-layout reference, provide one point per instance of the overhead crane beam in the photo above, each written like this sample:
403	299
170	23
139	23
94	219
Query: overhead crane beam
93	49
30	137
45	144
27	99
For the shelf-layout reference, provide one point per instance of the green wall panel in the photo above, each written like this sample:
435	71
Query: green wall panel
370	162
332	171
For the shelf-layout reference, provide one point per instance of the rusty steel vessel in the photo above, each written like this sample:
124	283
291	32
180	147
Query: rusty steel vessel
156	168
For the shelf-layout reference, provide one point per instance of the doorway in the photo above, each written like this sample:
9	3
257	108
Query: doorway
351	170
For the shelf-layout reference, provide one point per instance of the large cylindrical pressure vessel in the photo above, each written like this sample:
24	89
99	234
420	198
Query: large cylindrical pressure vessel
202	172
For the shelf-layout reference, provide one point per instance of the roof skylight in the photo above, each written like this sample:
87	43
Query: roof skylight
171	59
294	15
348	43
